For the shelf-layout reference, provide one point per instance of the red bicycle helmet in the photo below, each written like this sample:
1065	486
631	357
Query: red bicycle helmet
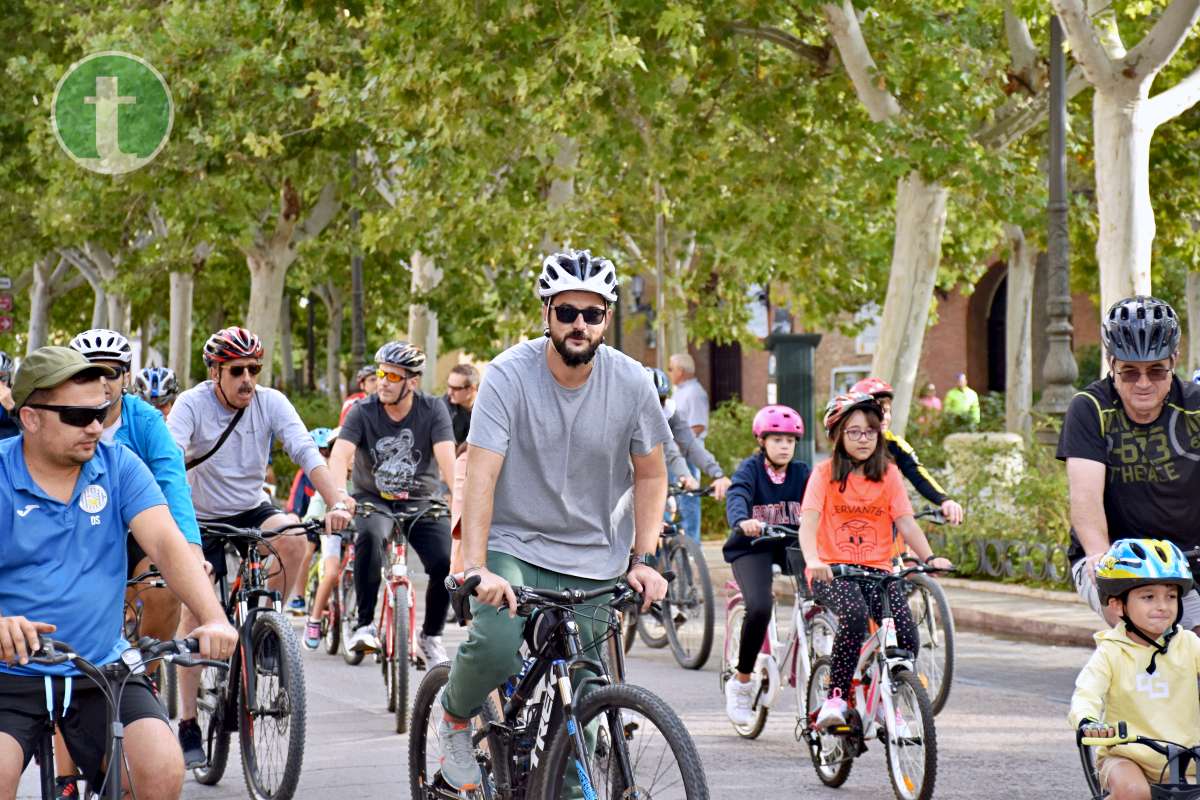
842	405
229	344
777	419
876	387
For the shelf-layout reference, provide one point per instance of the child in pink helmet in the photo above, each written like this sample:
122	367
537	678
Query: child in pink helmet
767	489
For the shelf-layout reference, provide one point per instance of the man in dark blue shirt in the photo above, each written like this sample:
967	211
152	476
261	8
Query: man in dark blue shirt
66	502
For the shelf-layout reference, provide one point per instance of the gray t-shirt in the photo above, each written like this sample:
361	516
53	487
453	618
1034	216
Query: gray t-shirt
691	403
230	482
562	496
394	459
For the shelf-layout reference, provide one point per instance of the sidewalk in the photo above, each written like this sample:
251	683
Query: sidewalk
1038	615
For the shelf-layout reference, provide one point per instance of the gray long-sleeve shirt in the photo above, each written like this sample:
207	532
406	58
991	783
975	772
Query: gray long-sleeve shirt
230	482
686	446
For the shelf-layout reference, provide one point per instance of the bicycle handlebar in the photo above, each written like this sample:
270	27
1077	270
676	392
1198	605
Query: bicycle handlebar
933	514
52	652
771	533
677	491
851	571
219	530
531	597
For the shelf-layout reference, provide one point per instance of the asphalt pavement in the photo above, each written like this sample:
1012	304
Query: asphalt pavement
1002	734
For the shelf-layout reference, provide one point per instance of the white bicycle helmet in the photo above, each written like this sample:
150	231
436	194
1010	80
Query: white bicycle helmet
577	271
101	344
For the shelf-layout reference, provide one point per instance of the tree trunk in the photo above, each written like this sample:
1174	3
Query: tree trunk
1018	343
1123	195
268	271
118	312
310	343
1193	327
332	299
180	339
423	323
916	254
39	303
287	377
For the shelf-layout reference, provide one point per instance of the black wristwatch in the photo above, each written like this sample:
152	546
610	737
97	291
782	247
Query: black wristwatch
649	559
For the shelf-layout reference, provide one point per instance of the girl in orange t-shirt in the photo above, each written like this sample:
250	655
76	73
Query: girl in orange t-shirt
850	506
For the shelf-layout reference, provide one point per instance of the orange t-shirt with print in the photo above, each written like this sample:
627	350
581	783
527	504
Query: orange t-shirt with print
856	524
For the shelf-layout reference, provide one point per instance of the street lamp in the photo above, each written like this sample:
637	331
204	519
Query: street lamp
1060	370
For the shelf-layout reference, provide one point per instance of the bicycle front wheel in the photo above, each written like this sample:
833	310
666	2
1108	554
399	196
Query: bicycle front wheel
729	659
210	716
169	690
424	744
935	626
832	755
629	626
638	747
650	628
349	617
910	739
688	606
272	723
400	657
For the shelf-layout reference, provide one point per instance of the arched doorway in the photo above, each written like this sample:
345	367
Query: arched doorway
997	359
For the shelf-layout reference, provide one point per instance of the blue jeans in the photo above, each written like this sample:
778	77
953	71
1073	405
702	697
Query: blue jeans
689	509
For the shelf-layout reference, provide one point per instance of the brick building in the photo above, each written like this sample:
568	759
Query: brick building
967	336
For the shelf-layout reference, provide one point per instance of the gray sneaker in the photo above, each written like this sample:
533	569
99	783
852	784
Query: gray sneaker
364	639
459	767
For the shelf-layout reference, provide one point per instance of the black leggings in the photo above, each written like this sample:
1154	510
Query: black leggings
431	539
851	601
753	574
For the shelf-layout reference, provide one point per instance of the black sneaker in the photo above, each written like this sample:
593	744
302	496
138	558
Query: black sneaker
192	744
66	788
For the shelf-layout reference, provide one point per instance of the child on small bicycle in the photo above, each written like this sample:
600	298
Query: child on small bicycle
851	506
767	488
1144	669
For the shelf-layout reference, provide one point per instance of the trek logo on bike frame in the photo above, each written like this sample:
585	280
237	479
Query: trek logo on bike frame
543	725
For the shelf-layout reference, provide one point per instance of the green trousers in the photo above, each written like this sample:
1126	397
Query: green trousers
490	655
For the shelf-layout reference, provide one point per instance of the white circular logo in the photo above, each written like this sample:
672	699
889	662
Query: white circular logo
94	499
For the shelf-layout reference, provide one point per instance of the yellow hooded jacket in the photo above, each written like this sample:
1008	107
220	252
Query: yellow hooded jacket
1114	686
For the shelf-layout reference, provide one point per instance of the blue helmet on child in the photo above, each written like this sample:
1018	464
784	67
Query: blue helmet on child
323	437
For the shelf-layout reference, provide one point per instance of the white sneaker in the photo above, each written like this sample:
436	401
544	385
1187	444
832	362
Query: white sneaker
364	639
432	648
739	698
833	711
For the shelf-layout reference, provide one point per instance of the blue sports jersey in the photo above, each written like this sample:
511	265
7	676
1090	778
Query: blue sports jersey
65	563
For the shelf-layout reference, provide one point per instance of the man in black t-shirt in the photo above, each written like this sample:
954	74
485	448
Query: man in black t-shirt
1134	439
394	439
462	386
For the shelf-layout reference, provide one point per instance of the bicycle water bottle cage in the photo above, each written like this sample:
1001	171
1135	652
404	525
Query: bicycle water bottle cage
541	628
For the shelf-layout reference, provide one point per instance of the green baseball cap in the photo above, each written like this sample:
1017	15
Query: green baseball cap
48	367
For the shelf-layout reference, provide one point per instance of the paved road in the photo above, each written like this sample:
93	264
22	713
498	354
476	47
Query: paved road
1002	734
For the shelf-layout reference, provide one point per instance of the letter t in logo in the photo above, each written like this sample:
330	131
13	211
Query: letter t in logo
106	101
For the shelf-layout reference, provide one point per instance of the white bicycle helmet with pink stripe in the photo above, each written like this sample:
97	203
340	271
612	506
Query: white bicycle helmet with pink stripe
777	419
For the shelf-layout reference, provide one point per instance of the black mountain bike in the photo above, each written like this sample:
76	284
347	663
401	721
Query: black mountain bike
262	695
111	680
552	740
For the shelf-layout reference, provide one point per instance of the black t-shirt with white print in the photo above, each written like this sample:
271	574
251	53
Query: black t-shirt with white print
395	459
1152	481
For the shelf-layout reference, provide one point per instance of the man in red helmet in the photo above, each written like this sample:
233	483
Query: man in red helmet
225	426
903	454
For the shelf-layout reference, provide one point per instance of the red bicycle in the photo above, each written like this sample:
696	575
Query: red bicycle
396	618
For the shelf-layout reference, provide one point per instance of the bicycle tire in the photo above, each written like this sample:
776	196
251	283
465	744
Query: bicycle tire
617	704
629	628
1091	774
828	752
170	688
906	684
211	707
274	659
426	711
331	624
401	657
821	629
651	630
729	658
349	616
691	591
935	658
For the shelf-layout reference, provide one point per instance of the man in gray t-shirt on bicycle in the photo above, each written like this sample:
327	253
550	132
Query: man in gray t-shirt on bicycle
562	433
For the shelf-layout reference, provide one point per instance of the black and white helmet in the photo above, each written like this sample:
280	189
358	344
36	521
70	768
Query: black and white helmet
7	368
1140	328
101	344
402	354
577	271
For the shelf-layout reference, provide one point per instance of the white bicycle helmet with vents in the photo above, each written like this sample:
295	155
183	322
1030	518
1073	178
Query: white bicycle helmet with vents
101	344
577	271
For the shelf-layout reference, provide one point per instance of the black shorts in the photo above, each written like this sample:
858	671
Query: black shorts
23	716
214	549
133	554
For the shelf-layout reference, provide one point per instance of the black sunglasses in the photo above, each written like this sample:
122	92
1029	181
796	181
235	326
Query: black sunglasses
237	371
592	315
76	416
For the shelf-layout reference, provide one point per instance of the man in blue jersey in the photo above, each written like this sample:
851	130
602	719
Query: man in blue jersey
67	501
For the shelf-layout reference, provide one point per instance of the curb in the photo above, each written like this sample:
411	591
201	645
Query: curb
1051	633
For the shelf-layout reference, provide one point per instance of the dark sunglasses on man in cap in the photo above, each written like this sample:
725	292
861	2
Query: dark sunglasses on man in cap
76	416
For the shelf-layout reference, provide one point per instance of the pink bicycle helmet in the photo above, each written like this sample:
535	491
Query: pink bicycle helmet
876	387
777	419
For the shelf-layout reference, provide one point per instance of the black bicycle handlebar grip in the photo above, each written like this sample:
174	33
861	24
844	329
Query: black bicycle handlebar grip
1122	729
460	596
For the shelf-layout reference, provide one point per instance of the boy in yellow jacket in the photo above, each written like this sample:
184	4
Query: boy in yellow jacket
1144	669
